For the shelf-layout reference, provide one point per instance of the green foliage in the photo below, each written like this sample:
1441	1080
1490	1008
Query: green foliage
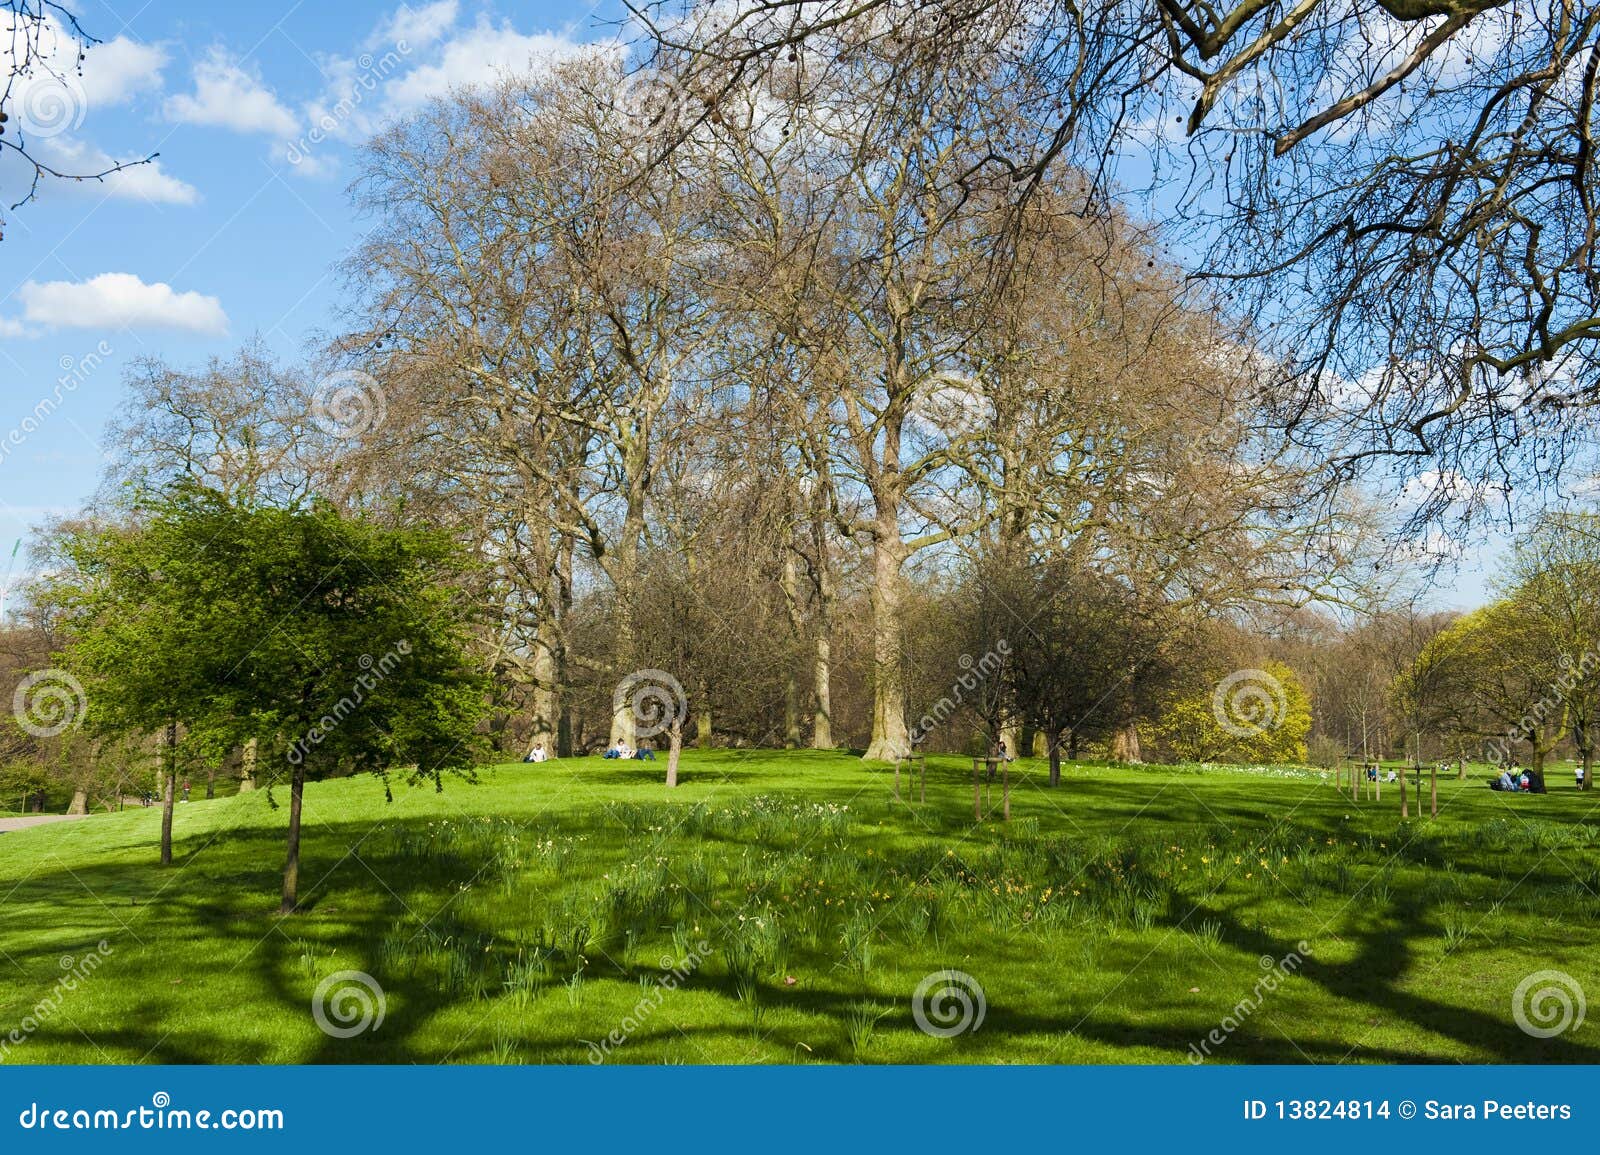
1249	716
335	643
527	912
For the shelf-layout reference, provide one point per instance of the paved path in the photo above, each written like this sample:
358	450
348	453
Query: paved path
34	820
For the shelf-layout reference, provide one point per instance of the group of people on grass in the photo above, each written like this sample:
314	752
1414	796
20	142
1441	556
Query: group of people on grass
618	749
1516	780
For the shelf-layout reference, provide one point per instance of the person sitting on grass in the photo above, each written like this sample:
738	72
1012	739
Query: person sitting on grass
537	754
614	750
1393	776
645	753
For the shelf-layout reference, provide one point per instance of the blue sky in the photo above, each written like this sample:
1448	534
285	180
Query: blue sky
234	232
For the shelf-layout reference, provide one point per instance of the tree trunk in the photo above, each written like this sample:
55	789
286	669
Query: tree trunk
702	721
791	681
170	773
822	673
546	700
211	783
1055	759
1011	735
80	802
247	772
291	862
624	571
674	748
1125	744
890	739
563	603
1404	812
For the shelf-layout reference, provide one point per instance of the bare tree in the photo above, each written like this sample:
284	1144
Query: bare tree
42	51
1402	192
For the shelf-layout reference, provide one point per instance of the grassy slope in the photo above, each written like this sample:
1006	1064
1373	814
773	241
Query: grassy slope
474	907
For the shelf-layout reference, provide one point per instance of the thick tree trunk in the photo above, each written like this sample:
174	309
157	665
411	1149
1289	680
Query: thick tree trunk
1125	744
624	573
674	749
890	738
822	669
822	694
247	772
170	773
702	721
563	605
791	681
1055	759
291	861
1011	735
546	701
80	802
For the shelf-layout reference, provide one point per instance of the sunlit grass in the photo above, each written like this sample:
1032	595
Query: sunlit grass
781	907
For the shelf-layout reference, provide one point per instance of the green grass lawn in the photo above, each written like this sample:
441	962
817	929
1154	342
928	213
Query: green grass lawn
1120	918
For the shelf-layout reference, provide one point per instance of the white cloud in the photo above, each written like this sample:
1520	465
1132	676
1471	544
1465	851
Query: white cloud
117	300
415	27
413	56
50	98
227	95
476	56
119	69
146	182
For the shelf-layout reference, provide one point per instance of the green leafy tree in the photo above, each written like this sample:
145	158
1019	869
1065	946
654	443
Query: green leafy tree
1253	715
337	645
